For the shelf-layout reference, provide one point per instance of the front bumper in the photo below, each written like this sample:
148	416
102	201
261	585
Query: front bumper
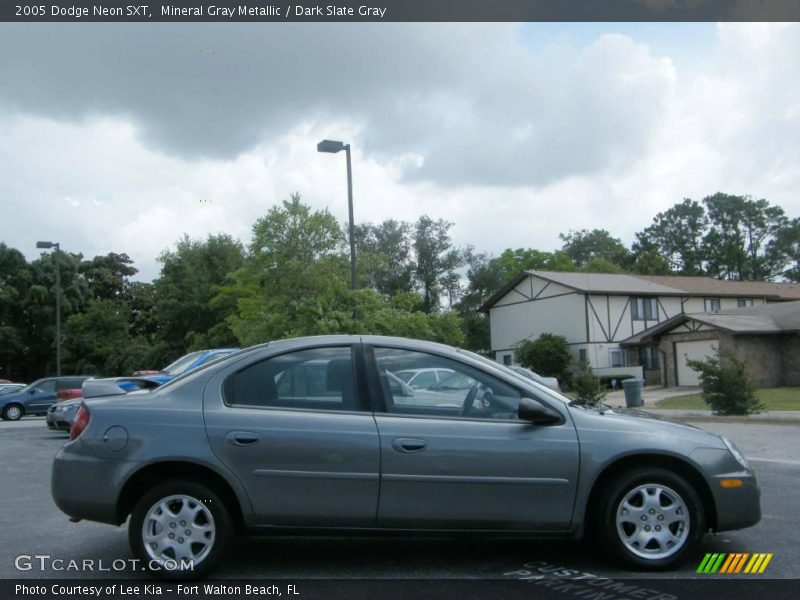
737	507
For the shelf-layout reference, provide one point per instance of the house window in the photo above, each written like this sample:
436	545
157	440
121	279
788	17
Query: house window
745	302
617	357
644	309
648	357
507	360
582	358
712	305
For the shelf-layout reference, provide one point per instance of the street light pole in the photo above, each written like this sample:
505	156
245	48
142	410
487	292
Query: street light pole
353	282
57	260
332	147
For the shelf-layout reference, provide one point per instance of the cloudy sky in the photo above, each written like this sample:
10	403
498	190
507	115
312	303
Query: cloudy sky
120	138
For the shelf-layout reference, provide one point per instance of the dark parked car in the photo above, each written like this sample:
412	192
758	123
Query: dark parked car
36	398
308	434
185	363
61	414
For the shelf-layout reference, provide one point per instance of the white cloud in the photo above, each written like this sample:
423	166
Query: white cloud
463	122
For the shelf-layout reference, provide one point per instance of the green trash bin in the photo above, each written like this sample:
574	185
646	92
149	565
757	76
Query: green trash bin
633	392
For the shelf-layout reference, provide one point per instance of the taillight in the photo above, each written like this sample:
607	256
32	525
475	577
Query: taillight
80	423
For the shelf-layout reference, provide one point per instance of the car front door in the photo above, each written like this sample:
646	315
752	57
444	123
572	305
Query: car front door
461	459
297	431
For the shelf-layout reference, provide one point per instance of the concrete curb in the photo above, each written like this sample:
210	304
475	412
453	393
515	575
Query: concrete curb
779	417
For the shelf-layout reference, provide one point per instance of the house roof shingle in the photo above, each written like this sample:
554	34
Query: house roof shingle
660	285
782	317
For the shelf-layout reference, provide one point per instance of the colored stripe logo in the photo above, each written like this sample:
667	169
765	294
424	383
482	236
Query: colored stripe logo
735	562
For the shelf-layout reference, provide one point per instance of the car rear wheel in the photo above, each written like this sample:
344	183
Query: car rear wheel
180	530
651	518
13	412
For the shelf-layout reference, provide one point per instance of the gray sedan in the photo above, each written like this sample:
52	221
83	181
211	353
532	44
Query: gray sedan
315	433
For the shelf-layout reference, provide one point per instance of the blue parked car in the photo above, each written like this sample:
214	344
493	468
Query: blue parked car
36	398
185	363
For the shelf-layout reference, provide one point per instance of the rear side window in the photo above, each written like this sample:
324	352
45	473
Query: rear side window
319	378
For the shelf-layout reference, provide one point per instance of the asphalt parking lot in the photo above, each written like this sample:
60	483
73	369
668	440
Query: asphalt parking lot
32	525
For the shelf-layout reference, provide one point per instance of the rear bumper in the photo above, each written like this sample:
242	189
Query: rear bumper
80	484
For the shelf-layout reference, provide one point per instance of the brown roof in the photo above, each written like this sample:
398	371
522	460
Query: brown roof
781	317
709	286
656	285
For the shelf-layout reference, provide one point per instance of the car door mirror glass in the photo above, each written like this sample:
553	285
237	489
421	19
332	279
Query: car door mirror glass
537	413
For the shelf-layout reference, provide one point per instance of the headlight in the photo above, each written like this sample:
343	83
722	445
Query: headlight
735	451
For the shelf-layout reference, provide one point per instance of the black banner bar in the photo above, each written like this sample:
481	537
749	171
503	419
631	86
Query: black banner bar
733	588
399	10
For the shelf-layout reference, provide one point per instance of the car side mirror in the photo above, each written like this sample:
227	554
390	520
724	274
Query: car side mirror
537	413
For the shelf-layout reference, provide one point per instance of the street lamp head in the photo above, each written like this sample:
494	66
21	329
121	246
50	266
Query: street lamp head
45	245
331	146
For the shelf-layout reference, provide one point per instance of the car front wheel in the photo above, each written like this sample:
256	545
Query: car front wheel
13	412
180	530
651	518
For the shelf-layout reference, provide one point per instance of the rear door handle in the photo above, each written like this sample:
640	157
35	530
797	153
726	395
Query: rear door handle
242	438
409	444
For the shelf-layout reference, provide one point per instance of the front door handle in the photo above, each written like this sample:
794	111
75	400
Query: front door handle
409	444
242	438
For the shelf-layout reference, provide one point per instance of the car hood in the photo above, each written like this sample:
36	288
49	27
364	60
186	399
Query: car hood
636	421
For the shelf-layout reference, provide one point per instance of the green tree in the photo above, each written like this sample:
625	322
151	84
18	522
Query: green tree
296	279
787	244
106	276
548	356
385	257
191	276
739	236
513	262
437	262
726	387
676	236
589	249
98	341
15	282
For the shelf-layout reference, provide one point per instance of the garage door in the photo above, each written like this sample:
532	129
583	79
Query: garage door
699	350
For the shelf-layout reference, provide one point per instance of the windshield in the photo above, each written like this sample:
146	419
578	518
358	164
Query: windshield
543	388
182	364
30	386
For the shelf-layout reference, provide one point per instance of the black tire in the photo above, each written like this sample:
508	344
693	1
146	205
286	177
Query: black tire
15	415
670	497
192	494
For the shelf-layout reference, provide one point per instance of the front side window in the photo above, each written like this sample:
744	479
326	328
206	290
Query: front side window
47	386
319	378
644	309
463	391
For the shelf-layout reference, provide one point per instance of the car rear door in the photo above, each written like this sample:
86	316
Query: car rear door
446	467
296	429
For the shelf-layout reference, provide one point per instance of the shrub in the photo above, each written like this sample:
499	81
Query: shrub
726	387
587	387
548	355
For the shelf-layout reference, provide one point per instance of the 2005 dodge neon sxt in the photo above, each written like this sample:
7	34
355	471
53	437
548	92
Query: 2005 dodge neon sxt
320	433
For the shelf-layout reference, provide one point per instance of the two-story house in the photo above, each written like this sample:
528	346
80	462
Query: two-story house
598	312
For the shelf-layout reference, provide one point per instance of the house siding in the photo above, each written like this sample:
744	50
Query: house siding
551	309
